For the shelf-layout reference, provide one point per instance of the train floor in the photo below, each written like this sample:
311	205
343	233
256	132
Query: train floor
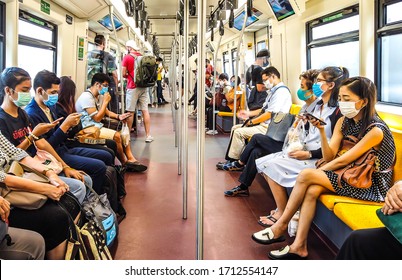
154	228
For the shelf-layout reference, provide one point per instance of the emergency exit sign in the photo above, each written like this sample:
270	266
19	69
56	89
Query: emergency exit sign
45	7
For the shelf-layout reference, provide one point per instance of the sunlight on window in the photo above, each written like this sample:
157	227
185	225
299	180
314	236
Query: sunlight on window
394	13
34	59
336	27
391	57
34	31
345	55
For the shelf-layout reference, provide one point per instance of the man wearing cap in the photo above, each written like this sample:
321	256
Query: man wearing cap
135	97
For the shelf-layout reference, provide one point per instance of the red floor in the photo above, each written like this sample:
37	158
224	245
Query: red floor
154	228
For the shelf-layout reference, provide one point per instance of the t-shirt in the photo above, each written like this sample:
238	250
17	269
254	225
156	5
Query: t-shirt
253	75
85	101
15	129
129	63
102	62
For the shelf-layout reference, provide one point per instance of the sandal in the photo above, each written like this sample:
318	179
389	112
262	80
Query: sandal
269	217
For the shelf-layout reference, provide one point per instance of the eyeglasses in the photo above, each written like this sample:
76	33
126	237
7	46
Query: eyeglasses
318	80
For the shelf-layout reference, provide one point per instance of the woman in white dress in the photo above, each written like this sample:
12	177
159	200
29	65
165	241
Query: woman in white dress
281	169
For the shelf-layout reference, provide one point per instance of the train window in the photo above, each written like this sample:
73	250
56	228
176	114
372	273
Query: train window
2	35
333	39
226	63
234	57
36	44
389	34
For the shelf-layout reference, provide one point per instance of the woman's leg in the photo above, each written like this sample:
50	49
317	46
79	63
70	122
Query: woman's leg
280	197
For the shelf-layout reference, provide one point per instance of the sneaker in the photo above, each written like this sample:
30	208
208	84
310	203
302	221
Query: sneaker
237	191
212	132
220	164
149	139
233	166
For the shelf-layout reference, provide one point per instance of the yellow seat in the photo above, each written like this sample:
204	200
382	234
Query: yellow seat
330	200
358	216
295	109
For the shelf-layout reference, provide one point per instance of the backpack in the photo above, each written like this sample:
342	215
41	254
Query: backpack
145	71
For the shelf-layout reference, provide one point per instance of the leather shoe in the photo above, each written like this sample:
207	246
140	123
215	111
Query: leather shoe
135	166
266	237
284	254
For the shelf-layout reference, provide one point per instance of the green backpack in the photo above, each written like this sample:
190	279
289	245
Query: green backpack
145	71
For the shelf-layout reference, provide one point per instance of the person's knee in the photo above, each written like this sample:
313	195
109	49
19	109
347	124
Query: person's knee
117	137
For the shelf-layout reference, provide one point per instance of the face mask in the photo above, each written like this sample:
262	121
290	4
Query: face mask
301	94
23	99
232	84
268	85
265	63
317	90
103	90
348	109
51	100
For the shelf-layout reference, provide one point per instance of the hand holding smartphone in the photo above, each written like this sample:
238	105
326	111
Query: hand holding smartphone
311	117
57	121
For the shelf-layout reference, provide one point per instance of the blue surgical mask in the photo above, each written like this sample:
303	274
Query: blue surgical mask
23	99
301	94
103	90
317	90
232	84
51	100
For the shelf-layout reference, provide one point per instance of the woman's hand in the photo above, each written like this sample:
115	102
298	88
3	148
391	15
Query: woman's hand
56	181
317	124
54	192
72	173
393	200
4	209
71	121
300	155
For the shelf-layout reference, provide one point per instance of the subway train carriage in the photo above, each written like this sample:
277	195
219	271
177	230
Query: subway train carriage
201	130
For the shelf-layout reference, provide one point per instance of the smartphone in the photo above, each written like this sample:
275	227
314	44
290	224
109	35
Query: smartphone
127	116
58	120
311	117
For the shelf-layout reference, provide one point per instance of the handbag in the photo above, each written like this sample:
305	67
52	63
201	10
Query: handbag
295	138
48	160
359	173
392	222
125	135
90	135
24	199
279	125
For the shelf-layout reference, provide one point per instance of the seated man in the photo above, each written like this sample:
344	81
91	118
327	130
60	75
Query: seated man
278	100
92	104
42	109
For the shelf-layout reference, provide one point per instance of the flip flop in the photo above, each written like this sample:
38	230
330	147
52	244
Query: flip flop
269	217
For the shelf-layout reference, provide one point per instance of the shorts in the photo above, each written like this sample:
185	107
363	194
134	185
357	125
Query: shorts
137	98
107	133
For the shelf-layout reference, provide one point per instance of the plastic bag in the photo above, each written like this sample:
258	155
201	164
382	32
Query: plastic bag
293	224
294	140
125	135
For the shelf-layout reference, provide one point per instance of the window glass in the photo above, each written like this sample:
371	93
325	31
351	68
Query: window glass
226	64
336	27
394	13
345	55
34	31
261	45
391	61
34	59
234	57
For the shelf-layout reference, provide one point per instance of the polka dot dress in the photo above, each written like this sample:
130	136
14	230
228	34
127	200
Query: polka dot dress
381	181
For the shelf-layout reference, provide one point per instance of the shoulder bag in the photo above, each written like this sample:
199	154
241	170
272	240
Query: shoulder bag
393	223
20	198
359	173
279	126
90	135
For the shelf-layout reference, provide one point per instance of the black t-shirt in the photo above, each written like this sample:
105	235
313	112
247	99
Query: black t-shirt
253	75
14	129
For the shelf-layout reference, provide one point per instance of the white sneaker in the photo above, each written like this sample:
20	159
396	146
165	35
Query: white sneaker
149	139
212	132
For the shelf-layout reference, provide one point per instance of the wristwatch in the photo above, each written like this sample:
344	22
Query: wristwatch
44	171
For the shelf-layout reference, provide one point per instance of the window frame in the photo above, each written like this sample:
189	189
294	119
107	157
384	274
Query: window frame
333	39
36	43
3	34
233	60
382	29
226	62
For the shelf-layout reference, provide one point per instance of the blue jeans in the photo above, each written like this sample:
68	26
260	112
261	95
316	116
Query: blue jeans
77	187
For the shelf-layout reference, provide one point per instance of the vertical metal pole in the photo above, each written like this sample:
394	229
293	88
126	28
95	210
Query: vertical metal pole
201	30
118	55
173	82
180	111
237	63
185	113
214	85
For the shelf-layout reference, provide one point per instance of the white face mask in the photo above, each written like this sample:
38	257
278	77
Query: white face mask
348	109
268	85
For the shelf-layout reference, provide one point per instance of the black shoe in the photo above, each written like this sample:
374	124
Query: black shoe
237	191
135	166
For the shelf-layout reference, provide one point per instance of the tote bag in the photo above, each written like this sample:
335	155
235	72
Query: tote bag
279	125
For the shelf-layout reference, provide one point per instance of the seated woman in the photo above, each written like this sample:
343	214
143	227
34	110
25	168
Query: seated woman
357	97
66	106
280	169
19	244
51	221
15	84
376	243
